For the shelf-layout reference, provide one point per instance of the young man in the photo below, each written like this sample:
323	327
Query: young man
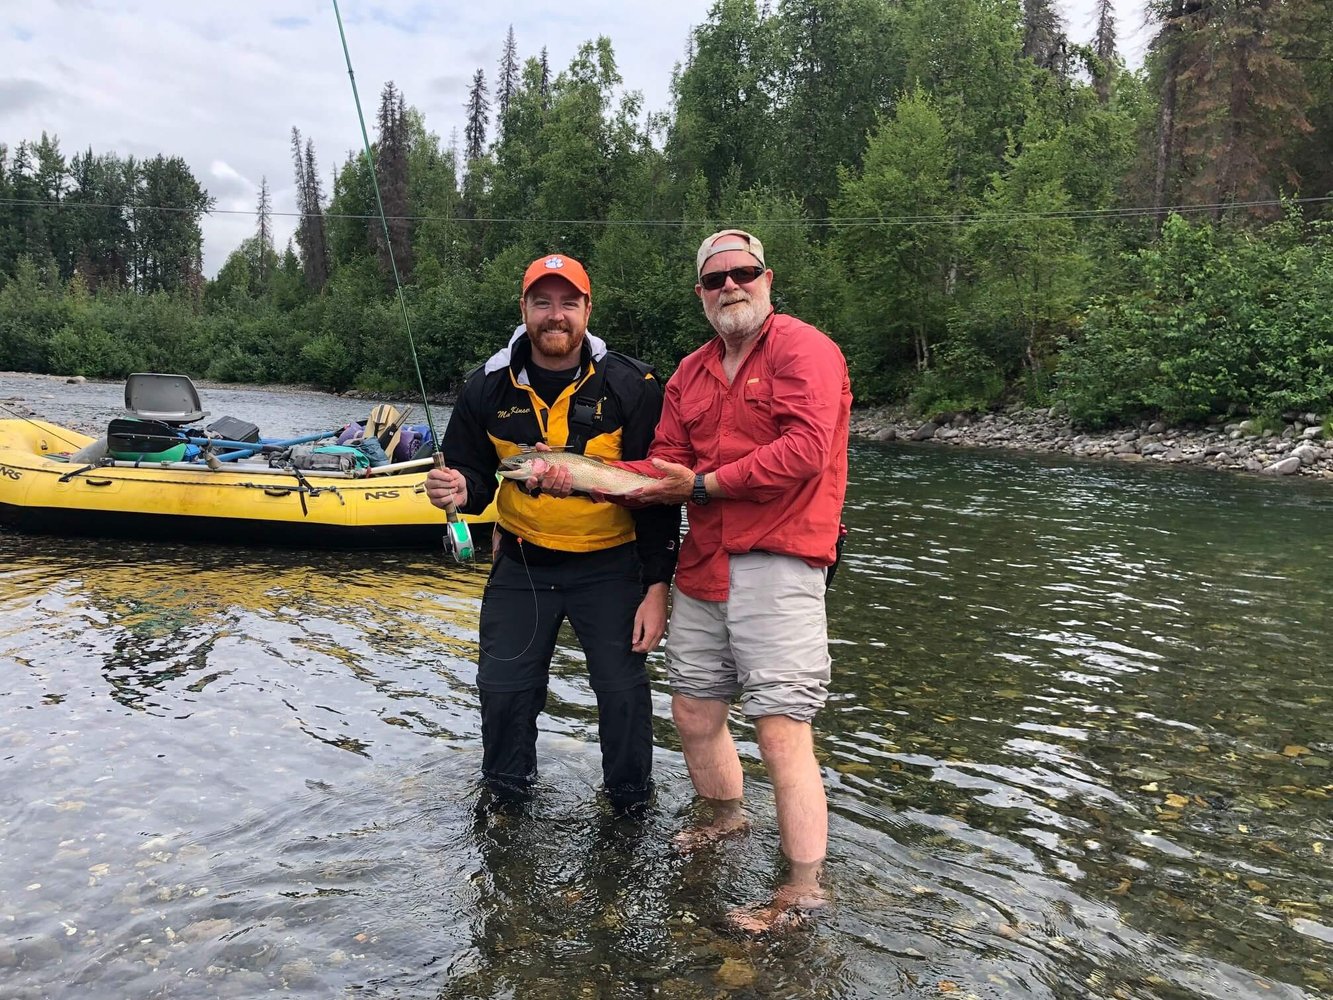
604	568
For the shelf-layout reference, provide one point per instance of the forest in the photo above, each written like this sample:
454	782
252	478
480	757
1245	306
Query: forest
977	209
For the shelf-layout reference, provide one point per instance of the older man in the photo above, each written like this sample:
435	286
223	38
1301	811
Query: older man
754	435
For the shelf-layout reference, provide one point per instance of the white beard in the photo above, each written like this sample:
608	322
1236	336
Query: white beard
739	313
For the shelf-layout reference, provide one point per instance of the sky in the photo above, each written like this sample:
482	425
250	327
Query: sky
222	83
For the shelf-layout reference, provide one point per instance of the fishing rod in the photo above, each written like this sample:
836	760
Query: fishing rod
458	537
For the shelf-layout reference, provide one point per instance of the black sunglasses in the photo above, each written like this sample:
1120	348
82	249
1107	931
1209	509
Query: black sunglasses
714	280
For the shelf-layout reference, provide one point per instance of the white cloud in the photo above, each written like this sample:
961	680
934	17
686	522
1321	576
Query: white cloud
222	83
226	179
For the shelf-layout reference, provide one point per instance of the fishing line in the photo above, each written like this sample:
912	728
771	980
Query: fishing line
458	537
536	612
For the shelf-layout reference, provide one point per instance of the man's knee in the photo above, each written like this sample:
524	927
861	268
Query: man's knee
782	739
696	718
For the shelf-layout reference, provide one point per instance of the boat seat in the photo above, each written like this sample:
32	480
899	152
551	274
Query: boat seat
172	399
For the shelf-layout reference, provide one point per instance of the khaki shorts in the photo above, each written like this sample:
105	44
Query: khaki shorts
768	641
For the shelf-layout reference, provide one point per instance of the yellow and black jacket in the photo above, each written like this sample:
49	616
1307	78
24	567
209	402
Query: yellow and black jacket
610	411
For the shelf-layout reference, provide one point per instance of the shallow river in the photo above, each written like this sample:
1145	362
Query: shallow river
1078	746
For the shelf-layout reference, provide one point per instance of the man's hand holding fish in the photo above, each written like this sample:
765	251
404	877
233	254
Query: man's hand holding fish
562	473
675	485
548	477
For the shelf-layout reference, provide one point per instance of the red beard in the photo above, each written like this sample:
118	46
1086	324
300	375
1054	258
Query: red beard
556	340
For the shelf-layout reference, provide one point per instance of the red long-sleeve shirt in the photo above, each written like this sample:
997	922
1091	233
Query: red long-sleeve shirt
777	438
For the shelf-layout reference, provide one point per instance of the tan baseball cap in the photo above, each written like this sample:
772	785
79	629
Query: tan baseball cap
729	239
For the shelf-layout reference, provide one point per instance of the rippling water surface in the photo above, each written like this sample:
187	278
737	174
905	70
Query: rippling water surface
1078	746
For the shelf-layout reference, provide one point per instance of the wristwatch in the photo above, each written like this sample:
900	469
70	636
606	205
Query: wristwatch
700	494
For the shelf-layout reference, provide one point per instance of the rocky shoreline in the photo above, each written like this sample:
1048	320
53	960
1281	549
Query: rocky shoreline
1299	448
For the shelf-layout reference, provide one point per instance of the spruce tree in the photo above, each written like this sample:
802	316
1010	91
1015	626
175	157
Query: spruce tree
507	82
1103	47
319	241
478	116
391	169
1232	101
264	214
310	231
1044	39
1167	52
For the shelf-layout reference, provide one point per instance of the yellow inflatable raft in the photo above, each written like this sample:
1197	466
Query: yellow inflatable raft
246	502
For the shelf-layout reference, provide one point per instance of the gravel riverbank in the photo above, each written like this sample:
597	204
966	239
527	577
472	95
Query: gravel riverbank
1297	449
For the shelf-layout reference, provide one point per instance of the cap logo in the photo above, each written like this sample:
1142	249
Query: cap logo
554	263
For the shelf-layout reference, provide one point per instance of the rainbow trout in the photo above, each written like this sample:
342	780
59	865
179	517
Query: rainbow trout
590	474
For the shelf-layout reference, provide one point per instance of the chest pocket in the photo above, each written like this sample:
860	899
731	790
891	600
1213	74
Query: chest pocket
756	409
701	414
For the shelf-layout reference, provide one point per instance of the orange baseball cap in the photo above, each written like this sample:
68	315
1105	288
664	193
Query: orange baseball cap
562	267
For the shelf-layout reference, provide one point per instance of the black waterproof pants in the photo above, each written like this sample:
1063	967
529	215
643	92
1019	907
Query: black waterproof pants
521	613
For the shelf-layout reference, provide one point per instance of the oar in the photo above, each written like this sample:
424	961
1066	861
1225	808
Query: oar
264	444
261	444
255	470
263	470
416	463
162	442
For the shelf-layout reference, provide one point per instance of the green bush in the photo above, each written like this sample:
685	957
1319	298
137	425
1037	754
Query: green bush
1220	320
32	310
1103	376
329	362
963	380
84	347
231	364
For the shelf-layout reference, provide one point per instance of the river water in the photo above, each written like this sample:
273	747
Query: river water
1078	746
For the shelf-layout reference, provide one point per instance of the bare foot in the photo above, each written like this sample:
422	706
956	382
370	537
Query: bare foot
696	838
789	910
756	919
